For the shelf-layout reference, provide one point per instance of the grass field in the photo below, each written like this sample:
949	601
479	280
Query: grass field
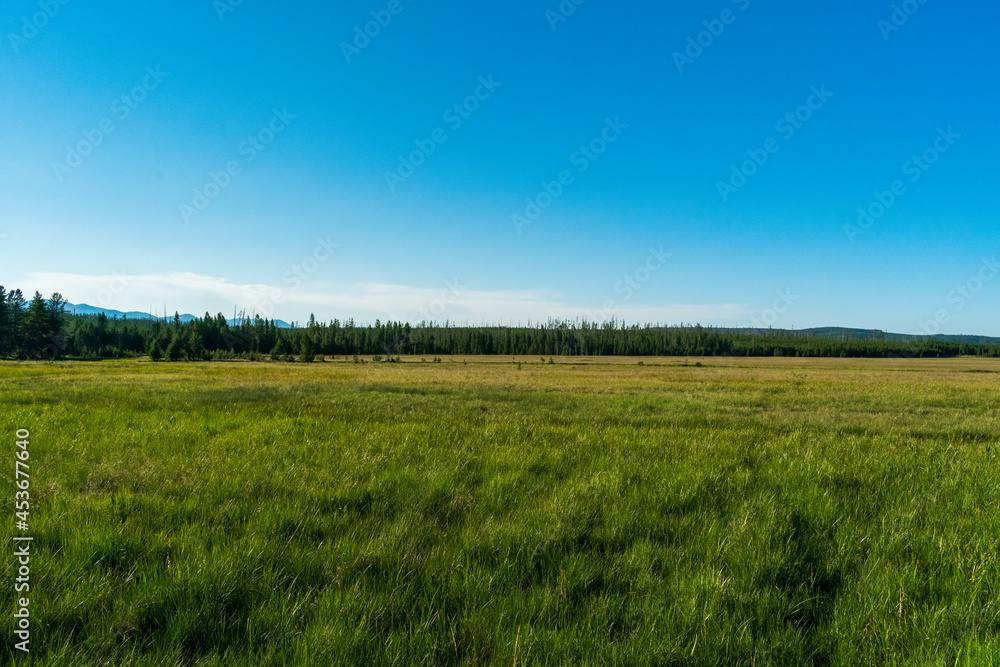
586	512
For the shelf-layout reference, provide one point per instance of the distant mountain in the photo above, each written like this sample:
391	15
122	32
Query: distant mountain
838	333
875	334
84	309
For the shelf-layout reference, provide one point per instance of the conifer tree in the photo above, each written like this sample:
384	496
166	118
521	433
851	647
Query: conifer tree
175	350
5	325
36	327
280	350
195	346
307	350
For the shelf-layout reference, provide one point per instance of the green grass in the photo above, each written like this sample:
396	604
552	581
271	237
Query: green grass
744	512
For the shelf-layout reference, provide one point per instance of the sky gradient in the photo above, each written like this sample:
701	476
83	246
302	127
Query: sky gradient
508	162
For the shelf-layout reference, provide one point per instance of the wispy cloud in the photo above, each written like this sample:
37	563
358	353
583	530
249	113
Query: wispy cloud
196	294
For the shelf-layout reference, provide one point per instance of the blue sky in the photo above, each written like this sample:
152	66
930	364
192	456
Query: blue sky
304	123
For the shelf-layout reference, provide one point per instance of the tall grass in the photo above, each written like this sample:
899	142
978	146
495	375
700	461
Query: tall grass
765	513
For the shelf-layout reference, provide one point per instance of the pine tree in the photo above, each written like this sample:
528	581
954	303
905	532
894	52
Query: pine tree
307	350
155	353
195	347
5	325
15	314
36	327
56	318
175	350
280	350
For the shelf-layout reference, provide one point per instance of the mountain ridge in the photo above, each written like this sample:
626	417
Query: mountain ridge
88	310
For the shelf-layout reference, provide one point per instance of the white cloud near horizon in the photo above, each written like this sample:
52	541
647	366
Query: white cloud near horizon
197	294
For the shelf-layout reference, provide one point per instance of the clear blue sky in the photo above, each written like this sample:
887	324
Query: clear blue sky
442	241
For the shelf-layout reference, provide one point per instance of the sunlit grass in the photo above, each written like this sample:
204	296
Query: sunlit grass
744	511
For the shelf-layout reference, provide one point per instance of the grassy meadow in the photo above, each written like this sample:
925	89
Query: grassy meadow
490	511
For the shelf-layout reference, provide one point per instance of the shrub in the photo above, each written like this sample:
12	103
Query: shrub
280	351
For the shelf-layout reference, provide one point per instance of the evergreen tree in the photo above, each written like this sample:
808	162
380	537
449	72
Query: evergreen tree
56	315
15	317
37	327
155	353
307	350
175	349
195	347
5	325
280	350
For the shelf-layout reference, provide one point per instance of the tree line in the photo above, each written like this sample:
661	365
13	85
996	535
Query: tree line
31	329
41	329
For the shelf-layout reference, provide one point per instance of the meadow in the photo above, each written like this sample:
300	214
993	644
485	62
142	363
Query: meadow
499	511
